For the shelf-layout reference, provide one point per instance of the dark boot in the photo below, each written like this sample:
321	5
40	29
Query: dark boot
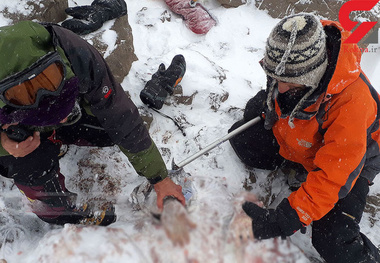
104	217
56	204
85	215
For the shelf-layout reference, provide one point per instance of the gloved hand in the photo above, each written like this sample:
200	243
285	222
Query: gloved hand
163	82
166	188
255	106
154	94
268	223
91	17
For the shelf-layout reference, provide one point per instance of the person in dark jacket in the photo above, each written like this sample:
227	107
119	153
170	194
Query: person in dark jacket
320	117
56	85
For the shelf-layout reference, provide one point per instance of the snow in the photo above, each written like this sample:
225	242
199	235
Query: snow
222	74
18	6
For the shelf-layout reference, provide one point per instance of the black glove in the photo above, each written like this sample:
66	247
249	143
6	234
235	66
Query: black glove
255	106
163	82
269	223
91	17
18	132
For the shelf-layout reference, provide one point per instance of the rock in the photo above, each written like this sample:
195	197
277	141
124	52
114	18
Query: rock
179	98
373	205
122	56
328	9
232	3
41	10
121	59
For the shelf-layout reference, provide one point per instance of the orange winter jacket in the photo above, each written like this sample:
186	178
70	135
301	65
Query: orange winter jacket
336	138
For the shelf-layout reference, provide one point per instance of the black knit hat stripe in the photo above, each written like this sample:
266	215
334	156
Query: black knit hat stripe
298	55
300	65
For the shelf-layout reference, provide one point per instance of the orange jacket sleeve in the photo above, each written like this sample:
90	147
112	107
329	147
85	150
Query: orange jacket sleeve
340	159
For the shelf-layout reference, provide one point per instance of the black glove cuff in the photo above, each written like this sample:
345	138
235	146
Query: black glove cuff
155	180
287	218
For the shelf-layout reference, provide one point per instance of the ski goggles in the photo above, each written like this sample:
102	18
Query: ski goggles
26	88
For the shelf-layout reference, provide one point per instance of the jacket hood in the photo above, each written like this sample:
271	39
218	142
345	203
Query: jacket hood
21	45
347	68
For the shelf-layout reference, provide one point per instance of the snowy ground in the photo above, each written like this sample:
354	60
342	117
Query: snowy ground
222	74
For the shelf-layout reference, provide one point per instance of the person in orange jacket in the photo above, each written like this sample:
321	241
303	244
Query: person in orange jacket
319	111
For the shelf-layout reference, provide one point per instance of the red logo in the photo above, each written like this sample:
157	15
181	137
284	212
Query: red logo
364	27
107	91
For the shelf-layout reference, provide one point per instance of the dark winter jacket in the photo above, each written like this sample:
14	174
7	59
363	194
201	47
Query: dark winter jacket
336	135
104	98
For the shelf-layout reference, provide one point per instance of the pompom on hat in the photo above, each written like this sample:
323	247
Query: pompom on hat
296	53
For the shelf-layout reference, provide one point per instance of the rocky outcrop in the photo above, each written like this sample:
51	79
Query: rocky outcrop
232	3
327	9
41	10
122	56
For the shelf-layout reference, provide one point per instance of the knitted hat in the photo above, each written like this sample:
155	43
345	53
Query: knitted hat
296	53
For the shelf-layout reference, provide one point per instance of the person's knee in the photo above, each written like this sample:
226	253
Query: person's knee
256	147
336	234
337	238
28	171
235	126
347	248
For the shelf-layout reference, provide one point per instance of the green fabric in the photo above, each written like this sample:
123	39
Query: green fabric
22	44
69	72
3	152
147	163
86	106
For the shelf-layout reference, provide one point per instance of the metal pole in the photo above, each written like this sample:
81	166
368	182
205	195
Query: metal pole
216	143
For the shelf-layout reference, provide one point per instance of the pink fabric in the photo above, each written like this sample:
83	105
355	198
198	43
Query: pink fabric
195	16
34	193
